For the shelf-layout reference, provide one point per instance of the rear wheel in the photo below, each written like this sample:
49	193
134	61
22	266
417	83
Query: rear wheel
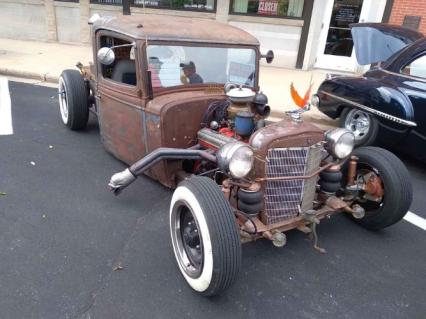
364	126
73	100
388	174
204	235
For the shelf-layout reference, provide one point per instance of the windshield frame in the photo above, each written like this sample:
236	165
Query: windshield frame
201	86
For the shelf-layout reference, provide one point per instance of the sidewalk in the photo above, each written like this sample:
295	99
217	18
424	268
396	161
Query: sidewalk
45	61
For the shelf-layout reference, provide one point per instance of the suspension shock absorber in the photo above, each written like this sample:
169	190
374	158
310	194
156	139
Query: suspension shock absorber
352	170
330	179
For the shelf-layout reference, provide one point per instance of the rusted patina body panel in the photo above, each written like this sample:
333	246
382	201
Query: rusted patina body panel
286	133
173	120
120	121
157	27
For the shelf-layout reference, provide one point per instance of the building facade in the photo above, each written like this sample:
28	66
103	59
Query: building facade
411	13
303	33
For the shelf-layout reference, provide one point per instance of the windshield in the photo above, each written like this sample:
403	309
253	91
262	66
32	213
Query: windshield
173	65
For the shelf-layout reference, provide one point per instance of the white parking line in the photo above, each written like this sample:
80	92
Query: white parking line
415	220
6	127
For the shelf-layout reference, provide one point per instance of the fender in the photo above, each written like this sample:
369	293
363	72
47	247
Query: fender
385	102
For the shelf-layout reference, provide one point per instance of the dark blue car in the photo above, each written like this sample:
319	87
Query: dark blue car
387	104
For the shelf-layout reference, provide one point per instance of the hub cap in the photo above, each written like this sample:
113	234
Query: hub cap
63	103
188	240
358	122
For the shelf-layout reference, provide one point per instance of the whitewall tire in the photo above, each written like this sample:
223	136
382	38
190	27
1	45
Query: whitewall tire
204	236
73	100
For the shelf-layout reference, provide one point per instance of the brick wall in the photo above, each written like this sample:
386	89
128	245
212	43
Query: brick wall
401	8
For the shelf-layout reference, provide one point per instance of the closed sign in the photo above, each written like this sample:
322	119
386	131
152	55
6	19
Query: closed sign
268	7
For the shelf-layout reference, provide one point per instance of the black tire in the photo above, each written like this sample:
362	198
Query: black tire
219	239
370	137
398	190
73	100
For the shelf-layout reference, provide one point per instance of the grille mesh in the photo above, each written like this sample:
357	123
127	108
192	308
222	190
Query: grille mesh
287	198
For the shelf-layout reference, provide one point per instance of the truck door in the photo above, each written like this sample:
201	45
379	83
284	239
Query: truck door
119	100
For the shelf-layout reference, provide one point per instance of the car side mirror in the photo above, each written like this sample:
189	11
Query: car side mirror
269	56
93	19
106	56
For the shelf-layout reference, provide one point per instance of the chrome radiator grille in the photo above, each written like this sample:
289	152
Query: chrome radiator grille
287	198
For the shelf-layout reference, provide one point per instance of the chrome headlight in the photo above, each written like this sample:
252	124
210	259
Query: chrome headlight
340	142
315	101
235	158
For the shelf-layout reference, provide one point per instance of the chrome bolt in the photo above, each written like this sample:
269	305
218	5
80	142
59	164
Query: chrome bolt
279	239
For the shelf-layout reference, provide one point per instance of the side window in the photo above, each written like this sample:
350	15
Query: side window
123	69
416	67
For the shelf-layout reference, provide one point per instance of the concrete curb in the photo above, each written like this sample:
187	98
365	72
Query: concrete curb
46	77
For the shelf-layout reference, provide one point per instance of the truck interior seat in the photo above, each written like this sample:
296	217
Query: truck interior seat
125	72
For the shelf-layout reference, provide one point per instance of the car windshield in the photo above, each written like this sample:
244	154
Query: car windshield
173	65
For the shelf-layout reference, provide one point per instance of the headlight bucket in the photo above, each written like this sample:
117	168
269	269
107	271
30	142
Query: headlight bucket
236	159
340	142
315	101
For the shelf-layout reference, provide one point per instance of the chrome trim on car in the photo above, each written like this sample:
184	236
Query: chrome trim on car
407	76
371	110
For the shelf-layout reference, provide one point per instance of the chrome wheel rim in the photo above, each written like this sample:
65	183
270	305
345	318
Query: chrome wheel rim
63	103
187	239
358	122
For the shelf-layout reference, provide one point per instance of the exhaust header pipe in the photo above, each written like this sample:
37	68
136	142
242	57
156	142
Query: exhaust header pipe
121	180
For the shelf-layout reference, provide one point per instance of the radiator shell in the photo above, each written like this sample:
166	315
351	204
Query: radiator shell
286	199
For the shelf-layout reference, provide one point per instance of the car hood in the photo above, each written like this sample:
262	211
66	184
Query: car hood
376	42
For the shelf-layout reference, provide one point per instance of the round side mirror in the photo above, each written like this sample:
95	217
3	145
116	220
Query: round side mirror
106	56
94	18
269	56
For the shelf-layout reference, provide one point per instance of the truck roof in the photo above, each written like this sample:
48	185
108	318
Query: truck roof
160	27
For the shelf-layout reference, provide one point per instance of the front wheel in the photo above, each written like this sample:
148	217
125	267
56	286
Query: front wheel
387	176
73	100
204	235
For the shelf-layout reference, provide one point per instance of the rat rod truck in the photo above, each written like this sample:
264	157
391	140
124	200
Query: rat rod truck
178	100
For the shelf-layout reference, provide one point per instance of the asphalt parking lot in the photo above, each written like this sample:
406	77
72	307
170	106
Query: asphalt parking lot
63	234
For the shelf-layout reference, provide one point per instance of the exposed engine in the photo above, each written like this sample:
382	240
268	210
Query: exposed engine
238	117
227	128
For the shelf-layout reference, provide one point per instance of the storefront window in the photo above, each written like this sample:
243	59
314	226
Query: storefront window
271	8
201	5
339	38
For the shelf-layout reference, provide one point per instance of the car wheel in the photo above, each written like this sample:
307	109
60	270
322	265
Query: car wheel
204	235
73	100
394	179
364	126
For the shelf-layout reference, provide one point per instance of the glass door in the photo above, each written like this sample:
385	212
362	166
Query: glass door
336	45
